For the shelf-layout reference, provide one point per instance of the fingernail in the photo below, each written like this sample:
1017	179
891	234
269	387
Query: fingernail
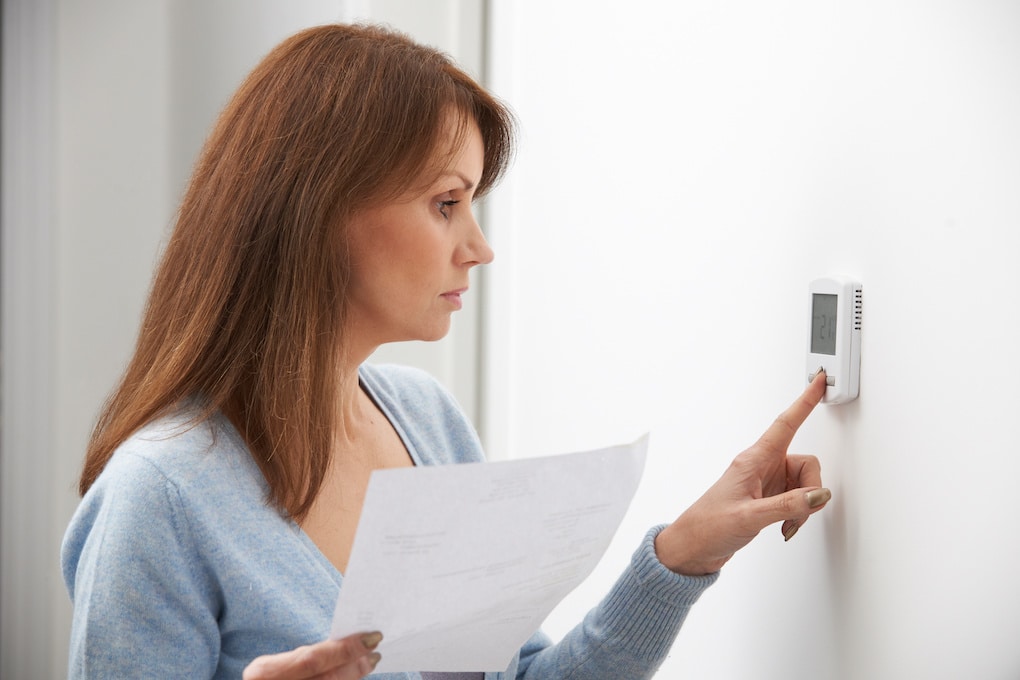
371	640
373	660
789	531
818	497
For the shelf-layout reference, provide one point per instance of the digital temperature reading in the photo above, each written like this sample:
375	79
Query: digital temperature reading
834	336
824	311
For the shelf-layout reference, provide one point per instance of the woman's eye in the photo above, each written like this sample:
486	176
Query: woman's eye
444	207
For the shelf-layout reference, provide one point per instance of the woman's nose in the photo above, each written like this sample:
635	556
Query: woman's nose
476	248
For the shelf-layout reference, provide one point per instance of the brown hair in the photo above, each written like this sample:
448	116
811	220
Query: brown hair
247	308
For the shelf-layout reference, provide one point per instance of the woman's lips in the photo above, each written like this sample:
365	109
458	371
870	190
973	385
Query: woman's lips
453	297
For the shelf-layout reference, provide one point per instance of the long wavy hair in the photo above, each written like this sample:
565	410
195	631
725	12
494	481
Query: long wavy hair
247	309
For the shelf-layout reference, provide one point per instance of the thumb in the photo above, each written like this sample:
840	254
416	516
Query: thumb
792	505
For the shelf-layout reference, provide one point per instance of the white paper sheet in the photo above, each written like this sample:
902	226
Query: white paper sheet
459	565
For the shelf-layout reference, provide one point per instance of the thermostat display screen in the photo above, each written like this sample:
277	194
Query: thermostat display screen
823	324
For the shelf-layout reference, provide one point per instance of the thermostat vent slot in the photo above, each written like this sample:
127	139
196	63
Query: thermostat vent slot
858	308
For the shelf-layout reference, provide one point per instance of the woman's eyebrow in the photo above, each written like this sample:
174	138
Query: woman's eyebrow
468	184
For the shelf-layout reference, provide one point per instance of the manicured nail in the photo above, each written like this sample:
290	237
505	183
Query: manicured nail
371	640
373	660
789	531
818	497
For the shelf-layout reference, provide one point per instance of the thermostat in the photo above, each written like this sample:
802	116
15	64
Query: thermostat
834	337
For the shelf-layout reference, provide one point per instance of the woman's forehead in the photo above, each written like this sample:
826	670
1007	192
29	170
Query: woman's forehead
458	154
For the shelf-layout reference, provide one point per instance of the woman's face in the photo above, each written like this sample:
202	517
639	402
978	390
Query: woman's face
410	258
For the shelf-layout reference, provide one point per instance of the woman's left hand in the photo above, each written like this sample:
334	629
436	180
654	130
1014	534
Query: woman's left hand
763	485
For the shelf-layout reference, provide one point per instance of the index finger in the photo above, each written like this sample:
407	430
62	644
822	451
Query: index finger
781	432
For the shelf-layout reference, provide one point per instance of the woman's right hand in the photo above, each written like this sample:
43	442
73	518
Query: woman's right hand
348	658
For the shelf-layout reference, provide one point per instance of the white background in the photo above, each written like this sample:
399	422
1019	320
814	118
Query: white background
686	169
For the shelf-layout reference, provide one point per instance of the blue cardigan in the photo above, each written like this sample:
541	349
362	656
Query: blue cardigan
177	567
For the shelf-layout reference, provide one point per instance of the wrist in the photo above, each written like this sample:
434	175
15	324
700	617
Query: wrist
676	551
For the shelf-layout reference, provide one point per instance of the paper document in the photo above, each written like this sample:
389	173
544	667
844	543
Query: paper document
458	565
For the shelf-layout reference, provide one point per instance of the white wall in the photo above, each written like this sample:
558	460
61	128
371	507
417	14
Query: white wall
686	169
106	104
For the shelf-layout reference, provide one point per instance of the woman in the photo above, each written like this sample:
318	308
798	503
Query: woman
330	212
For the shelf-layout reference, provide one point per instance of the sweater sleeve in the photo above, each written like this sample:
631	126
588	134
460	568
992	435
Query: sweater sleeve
142	599
629	633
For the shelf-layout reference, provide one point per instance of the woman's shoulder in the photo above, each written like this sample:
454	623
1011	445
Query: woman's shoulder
397	379
426	415
181	448
408	389
175	477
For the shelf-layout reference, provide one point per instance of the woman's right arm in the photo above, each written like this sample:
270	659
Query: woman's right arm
143	597
146	596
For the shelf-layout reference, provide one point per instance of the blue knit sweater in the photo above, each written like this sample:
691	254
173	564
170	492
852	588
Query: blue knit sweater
177	567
